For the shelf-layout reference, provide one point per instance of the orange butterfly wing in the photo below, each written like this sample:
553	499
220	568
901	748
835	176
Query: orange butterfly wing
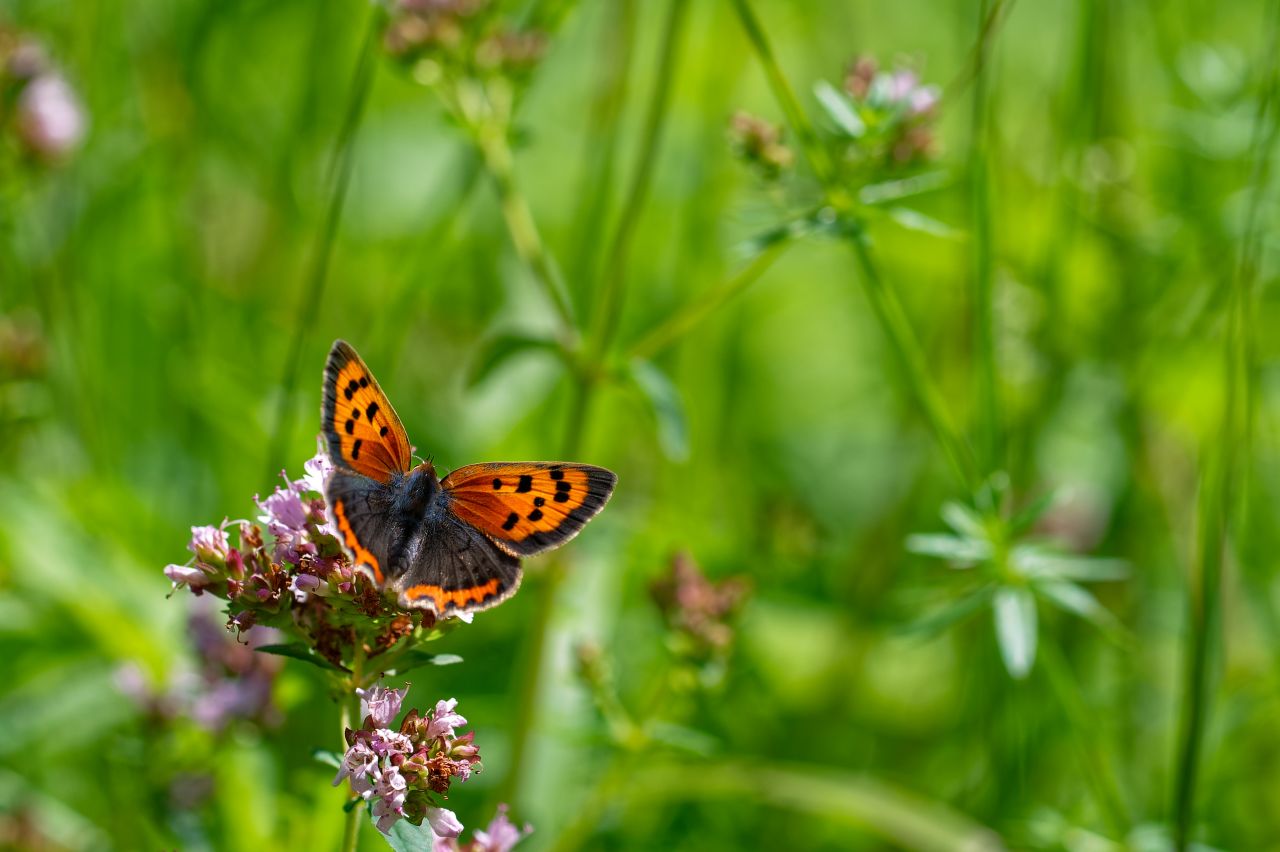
528	507
361	428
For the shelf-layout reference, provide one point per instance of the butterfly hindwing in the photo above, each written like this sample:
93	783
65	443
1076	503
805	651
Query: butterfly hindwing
528	507
419	550
450	567
361	428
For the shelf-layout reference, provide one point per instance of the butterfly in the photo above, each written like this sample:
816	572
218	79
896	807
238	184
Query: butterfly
449	545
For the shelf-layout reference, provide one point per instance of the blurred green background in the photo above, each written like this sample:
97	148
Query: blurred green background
164	317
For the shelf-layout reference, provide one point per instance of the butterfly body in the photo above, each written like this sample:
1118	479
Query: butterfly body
451	545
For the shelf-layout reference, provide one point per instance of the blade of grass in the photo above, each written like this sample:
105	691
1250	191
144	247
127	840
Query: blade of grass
313	289
587	377
987	384
614	278
1221	476
904	819
688	317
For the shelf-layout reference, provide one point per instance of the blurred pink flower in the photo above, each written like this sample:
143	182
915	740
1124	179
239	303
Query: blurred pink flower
444	822
500	835
50	121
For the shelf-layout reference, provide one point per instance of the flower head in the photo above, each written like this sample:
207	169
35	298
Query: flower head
381	705
499	836
51	121
759	143
697	607
403	771
209	544
444	720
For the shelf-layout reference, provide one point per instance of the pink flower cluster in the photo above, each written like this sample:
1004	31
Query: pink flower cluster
403	770
500	836
49	119
896	107
288	570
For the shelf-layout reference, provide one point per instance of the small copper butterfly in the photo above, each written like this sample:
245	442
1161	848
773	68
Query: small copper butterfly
449	545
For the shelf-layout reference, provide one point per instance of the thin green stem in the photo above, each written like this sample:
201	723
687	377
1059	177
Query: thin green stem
990	24
988	421
684	320
884	300
313	290
350	702
1097	766
615	278
813	150
587	377
1221	479
893	319
600	154
525	236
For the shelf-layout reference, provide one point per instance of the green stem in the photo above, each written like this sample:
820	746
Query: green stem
525	236
989	25
350	701
893	319
1097	766
688	317
600	155
587	377
313	291
614	282
885	302
1221	487
983	271
813	150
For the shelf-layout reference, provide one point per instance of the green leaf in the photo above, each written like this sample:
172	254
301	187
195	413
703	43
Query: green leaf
404	836
839	109
965	551
1015	614
1031	513
668	409
1078	600
1038	563
416	659
683	738
953	612
914	220
963	520
299	651
497	351
894	190
328	758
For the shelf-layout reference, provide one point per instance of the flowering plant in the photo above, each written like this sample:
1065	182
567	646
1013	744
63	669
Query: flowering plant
868	153
289	572
402	770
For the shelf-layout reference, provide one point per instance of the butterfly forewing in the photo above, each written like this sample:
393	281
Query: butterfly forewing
528	507
360	426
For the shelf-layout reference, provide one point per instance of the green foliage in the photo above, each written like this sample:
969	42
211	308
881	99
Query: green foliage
1052	327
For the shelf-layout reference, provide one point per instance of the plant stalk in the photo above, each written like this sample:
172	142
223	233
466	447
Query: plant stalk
884	300
317	276
351	828
1222	480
